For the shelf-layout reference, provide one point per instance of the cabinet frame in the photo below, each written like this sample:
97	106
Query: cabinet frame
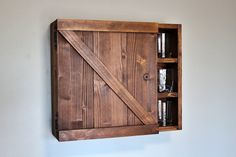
178	61
61	27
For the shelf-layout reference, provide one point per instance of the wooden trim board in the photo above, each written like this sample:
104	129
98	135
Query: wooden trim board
83	134
107	26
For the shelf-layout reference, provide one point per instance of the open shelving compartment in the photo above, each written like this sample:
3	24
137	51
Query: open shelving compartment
169	70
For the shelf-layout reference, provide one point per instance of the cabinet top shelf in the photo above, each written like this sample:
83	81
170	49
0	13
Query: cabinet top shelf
167	60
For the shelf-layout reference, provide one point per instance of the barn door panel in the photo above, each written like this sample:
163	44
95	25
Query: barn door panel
101	76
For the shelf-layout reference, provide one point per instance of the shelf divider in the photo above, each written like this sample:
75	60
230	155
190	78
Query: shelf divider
168	128
167	60
168	95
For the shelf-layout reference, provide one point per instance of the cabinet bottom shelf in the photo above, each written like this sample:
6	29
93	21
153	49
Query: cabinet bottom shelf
168	128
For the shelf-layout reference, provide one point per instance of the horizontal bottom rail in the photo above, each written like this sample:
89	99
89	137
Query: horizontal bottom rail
82	134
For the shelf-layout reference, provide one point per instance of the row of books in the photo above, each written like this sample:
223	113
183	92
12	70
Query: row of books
165	49
165	117
167	82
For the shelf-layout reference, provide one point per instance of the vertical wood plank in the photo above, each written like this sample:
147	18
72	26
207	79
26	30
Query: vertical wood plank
88	84
76	86
77	66
113	110
141	56
97	104
101	90
64	93
131	71
150	48
119	109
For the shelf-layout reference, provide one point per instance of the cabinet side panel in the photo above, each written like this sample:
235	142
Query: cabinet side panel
53	40
141	60
179	77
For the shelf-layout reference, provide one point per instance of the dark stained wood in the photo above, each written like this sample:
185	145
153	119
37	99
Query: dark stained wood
107	76
167	60
64	95
107	26
168	128
54	89
88	84
168	26
75	86
128	63
176	97
113	109
140	55
179	77
102	116
167	95
83	134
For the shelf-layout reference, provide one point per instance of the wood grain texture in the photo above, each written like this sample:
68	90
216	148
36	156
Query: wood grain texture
175	31
168	128
88	85
84	134
168	95
168	26
128	56
179	77
75	87
140	58
108	26
107	76
112	108
104	78
167	60
54	82
64	96
102	116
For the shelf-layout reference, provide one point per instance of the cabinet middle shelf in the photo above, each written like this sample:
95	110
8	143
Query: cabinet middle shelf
167	95
167	60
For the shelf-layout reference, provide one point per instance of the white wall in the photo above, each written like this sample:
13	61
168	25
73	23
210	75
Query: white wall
209	75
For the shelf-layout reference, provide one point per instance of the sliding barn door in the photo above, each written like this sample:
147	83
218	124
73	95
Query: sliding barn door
106	80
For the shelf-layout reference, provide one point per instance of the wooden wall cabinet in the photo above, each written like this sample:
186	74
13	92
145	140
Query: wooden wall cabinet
106	78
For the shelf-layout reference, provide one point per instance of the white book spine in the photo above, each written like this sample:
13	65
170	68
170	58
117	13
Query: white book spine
164	113
159	43
160	109
163	38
